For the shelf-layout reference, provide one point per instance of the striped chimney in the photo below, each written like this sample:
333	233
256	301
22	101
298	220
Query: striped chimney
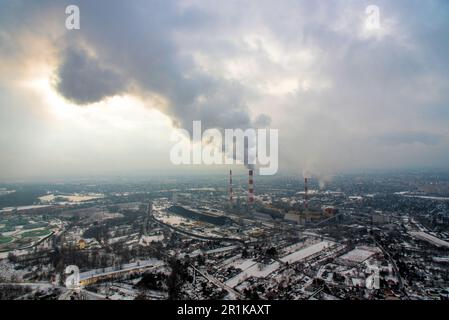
230	186
250	188
306	199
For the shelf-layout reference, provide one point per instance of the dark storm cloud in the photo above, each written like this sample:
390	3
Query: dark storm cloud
138	39
212	61
83	80
135	43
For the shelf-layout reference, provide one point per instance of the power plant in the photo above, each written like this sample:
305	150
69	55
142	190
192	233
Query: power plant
236	202
304	210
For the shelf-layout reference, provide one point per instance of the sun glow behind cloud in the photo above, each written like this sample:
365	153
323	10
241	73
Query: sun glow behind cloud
124	112
320	73
122	131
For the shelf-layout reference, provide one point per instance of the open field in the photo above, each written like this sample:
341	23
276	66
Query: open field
36	233
4	240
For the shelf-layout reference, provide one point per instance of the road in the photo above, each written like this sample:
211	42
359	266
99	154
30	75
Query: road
82	295
234	294
395	267
36	285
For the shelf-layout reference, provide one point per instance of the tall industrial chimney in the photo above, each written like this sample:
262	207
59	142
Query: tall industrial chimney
306	199
250	188
230	186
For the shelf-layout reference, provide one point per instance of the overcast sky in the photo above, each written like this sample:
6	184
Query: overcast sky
103	100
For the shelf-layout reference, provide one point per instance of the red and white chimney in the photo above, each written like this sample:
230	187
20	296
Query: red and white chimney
230	186
250	188
306	199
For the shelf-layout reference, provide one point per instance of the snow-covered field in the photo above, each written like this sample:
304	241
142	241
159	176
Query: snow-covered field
307	252
252	269
72	197
357	255
243	264
173	219
294	247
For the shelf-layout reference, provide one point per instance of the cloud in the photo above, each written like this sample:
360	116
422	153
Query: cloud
340	95
262	121
398	138
83	80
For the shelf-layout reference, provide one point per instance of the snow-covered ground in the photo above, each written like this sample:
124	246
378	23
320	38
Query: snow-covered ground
21	208
149	239
307	252
357	255
71	197
173	219
243	264
222	249
8	273
121	238
429	238
252	269
294	247
441	259
230	260
125	267
427	197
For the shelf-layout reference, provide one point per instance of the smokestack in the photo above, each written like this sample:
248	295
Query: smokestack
230	186
250	188
306	199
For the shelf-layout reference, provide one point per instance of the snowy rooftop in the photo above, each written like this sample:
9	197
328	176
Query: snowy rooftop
307	252
357	255
429	238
